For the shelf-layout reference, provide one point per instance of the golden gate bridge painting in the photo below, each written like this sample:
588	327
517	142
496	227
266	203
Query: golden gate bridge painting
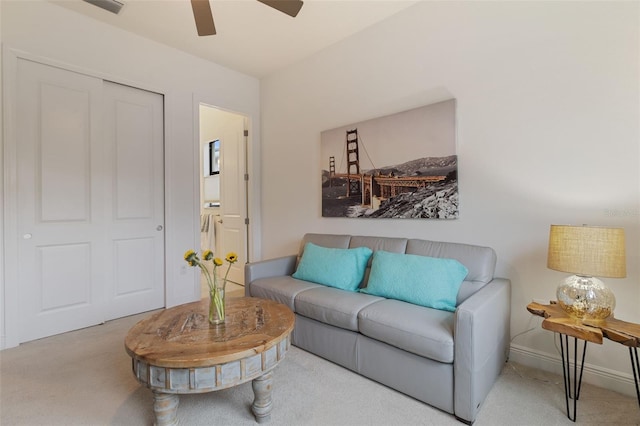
402	165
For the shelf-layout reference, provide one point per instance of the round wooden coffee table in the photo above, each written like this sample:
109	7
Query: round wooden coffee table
176	351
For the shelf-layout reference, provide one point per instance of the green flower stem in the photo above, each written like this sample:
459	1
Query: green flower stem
214	292
217	295
227	273
207	276
218	302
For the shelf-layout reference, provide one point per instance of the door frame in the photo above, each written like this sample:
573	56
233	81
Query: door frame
252	156
10	328
216	117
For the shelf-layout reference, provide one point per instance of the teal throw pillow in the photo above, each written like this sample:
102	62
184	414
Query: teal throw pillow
340	268
420	280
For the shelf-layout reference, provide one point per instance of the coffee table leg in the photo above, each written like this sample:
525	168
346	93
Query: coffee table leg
165	407
262	402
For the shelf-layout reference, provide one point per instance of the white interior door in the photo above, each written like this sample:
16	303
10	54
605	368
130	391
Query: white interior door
233	193
134	141
90	206
61	247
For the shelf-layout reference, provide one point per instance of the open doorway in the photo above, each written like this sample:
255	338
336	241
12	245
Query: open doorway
223	189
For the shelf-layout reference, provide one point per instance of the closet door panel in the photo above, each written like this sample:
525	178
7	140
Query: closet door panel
134	142
60	206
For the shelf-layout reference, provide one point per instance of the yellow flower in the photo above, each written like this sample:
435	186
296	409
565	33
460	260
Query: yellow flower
216	292
207	255
189	254
191	257
216	288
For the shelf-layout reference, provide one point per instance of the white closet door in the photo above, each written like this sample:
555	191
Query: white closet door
60	206
90	200
134	159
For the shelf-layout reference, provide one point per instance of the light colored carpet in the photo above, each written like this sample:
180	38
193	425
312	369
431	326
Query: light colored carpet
84	378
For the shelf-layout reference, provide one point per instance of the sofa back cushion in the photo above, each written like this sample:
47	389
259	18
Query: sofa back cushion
334	267
421	280
324	240
480	261
392	245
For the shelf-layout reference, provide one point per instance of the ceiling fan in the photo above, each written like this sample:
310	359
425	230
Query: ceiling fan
204	17
202	11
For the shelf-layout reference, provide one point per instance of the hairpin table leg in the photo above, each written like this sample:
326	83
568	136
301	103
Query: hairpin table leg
566	373
635	366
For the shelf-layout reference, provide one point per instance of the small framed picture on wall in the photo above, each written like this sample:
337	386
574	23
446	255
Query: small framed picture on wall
214	157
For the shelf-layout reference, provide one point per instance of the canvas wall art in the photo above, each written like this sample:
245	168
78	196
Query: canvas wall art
401	165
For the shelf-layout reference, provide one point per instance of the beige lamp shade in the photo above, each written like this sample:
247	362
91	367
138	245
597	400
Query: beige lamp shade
587	250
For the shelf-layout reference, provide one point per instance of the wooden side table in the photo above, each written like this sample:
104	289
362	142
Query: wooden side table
557	320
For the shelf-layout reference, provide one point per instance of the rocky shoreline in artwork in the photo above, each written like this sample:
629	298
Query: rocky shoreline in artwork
424	188
438	201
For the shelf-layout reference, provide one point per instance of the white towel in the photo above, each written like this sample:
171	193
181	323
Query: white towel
204	222
208	236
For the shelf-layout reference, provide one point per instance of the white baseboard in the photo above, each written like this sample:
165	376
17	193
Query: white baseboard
595	375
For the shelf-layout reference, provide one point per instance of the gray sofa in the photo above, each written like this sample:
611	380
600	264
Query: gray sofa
449	360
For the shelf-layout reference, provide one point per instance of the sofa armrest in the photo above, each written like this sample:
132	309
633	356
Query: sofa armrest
268	268
482	333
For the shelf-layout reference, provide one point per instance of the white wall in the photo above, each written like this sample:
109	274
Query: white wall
43	30
2	269
547	111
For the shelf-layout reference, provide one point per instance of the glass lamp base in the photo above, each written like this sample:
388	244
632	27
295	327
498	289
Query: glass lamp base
585	298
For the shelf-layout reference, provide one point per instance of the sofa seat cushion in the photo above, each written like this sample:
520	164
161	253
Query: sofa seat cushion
282	289
423	331
333	306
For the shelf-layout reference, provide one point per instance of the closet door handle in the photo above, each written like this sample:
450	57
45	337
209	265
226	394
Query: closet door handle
159	228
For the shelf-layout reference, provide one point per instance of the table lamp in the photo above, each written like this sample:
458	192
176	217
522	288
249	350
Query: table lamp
587	251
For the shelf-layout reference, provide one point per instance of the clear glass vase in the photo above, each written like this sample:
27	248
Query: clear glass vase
216	301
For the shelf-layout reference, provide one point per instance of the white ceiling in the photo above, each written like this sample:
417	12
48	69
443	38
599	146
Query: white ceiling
251	37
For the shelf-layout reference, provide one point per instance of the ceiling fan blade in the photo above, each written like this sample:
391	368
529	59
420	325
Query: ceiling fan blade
204	17
290	7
